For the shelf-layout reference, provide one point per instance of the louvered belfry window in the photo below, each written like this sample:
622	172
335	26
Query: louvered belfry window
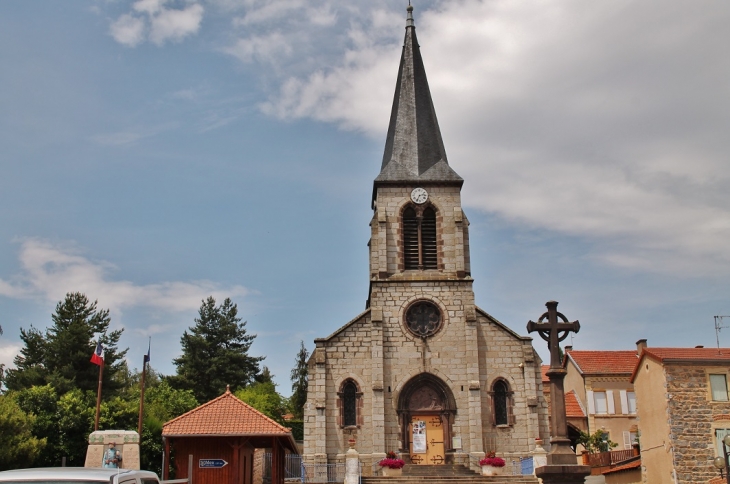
349	403
420	250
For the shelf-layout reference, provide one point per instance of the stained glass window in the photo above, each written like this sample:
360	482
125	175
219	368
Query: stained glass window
349	403
501	395
423	319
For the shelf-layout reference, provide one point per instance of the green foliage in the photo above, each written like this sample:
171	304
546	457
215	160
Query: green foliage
596	442
297	429
18	447
215	353
300	381
42	403
60	356
76	411
264	398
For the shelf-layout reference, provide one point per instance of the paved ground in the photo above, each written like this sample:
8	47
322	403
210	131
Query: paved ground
595	480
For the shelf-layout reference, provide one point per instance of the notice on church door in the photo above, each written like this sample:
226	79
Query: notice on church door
419	437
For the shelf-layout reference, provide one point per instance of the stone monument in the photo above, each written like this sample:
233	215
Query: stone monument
126	442
562	463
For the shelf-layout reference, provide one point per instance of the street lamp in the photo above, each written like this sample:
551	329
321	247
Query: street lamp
722	463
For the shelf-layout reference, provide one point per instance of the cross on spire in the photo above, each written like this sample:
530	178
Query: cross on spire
553	331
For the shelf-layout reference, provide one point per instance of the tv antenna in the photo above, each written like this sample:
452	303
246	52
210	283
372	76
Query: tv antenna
719	327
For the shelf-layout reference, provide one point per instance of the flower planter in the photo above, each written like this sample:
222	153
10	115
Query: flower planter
491	471
388	472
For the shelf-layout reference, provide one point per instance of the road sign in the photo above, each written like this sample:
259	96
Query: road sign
212	463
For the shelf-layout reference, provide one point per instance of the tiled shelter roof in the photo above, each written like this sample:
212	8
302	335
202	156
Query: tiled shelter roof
624	467
604	362
573	408
225	415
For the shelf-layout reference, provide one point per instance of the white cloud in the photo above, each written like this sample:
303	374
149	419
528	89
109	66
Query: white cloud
175	25
50	271
128	30
8	352
594	120
152	20
260	48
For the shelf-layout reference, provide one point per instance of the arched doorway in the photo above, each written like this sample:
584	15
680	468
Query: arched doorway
426	409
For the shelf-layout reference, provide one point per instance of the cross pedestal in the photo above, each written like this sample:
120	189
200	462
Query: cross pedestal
562	463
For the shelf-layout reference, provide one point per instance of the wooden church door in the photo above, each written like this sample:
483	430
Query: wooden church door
426	440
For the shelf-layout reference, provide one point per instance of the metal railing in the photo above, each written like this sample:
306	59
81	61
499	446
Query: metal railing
322	473
292	466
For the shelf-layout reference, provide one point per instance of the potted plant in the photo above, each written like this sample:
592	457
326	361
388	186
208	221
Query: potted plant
491	464
392	466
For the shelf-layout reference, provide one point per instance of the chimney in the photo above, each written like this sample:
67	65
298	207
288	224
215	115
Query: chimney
569	348
699	346
640	345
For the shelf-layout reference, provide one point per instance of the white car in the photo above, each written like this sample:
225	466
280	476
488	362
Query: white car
77	475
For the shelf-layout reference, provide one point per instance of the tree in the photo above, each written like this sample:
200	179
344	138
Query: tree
300	383
18	446
596	442
60	356
215	353
264	398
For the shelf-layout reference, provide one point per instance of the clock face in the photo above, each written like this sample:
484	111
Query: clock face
419	195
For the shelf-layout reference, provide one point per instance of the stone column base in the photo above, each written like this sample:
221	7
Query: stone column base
563	474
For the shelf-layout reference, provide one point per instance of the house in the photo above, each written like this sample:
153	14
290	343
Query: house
683	409
600	381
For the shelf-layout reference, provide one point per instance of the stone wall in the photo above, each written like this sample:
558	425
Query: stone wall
693	417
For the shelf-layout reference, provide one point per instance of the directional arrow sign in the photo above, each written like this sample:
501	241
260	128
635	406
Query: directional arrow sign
212	463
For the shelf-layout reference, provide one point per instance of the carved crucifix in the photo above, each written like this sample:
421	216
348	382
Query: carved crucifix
554	327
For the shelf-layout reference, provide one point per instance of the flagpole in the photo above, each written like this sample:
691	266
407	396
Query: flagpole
98	397
141	399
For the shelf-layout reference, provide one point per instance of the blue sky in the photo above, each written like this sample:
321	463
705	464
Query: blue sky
156	152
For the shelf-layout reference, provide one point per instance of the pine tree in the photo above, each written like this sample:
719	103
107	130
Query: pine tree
215	353
299	378
60	356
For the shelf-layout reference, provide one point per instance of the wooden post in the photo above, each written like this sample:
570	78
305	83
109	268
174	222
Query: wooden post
98	397
166	460
141	400
190	468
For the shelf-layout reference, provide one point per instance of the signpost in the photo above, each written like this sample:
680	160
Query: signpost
212	463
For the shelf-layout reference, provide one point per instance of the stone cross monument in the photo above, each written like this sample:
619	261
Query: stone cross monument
562	464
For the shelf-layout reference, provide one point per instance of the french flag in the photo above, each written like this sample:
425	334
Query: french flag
98	357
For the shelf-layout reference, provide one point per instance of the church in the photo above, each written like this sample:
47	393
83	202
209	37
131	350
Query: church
422	371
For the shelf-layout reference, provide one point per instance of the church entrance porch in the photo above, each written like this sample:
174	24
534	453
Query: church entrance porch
425	412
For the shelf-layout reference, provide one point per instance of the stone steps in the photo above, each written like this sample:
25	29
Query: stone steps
446	474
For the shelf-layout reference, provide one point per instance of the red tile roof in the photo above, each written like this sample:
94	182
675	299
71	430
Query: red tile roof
573	408
225	415
604	362
685	355
624	467
544	369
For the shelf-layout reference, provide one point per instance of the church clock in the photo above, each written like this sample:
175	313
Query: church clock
419	195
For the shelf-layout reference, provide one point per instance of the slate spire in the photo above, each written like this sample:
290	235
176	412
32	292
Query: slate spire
414	150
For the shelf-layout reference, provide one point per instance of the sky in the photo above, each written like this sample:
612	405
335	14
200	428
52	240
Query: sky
157	152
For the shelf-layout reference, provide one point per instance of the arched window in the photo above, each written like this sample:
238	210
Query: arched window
420	250
349	403
502	403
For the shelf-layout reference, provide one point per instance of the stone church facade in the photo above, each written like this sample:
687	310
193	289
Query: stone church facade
422	371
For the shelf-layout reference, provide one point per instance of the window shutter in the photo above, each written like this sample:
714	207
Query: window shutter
410	239
624	402
611	403
429	248
591	403
627	440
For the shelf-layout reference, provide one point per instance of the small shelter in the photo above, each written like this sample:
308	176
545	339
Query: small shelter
221	436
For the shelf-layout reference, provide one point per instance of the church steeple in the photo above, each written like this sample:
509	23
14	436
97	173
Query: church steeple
414	150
